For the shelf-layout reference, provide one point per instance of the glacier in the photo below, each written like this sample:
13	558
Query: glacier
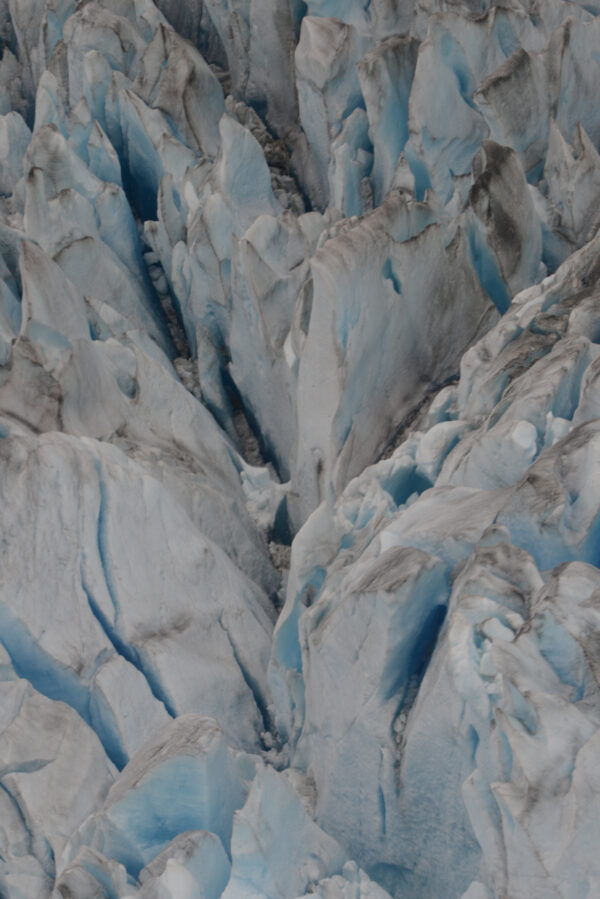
299	449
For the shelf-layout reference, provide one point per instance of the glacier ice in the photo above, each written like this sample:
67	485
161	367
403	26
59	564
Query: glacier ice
299	449
527	508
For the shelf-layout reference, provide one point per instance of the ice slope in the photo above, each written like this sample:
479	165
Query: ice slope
321	275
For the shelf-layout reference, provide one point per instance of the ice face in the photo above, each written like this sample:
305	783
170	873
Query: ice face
278	851
299	442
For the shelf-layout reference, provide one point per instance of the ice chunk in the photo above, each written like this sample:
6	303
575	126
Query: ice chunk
174	77
524	126
59	165
13	97
53	768
350	166
193	23
441	144
270	85
97	28
477	890
198	852
96	269
257	47
435	756
135	713
544	89
14	140
269	270
278	851
379	19
106	606
548	527
573	177
49	298
501	200
364	645
353	883
55	223
328	91
150	150
102	157
386	75
89	873
435	445
242	174
26	20
189	760
362	261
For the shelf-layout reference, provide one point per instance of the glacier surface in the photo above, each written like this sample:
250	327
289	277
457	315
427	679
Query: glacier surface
299	449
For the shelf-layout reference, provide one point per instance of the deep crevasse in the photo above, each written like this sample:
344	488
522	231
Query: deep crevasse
322	274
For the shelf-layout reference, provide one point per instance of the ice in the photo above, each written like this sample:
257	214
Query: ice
12	97
409	297
437	442
269	270
48	297
374	629
14	140
202	857
349	166
579	167
135	713
257	52
270	85
174	77
530	383
386	74
44	744
84	259
444	145
310	285
96	27
242	174
191	22
26	21
188	756
103	623
353	883
383	16
278	851
90	873
500	199
541	85
328	90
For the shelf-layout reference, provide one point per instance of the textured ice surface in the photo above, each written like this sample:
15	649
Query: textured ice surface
299	449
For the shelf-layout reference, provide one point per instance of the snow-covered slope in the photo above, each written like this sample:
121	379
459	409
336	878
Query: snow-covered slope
321	275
